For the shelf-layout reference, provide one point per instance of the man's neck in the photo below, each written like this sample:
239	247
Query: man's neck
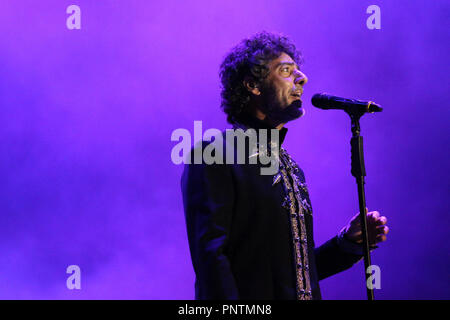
261	116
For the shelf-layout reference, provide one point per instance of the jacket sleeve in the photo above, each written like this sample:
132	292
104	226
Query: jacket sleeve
208	198
336	255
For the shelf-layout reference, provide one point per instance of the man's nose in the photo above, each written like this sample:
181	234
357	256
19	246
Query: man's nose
301	78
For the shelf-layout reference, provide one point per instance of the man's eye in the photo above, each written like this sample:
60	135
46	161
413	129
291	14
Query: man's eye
286	69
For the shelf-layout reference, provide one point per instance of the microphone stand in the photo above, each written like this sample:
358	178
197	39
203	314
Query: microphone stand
359	172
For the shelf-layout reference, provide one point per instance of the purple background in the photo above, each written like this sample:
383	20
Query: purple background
86	118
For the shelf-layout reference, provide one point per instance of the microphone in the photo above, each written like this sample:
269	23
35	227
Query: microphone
325	101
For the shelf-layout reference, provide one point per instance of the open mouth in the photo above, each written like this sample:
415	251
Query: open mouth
297	93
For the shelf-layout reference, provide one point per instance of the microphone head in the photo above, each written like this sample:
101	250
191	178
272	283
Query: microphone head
325	101
321	101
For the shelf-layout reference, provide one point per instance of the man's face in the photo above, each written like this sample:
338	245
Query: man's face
280	98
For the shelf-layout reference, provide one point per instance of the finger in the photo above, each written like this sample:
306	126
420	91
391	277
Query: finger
381	221
371	219
381	238
383	230
373	215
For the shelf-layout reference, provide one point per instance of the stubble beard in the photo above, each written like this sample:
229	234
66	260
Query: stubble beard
276	113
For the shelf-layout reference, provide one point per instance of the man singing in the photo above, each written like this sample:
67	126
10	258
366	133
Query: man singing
251	235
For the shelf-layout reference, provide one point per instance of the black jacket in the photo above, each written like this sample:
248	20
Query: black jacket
239	234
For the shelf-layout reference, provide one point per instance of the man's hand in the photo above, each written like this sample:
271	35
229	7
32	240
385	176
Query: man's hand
376	228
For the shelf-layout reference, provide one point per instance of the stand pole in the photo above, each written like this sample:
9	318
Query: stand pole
359	172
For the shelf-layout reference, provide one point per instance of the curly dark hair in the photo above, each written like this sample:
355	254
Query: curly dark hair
248	60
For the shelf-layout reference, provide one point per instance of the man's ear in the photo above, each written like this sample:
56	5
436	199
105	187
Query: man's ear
252	86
